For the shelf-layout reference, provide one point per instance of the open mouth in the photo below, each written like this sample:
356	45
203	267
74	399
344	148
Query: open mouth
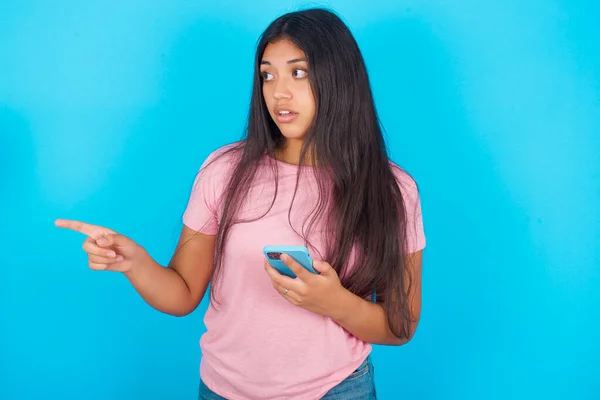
286	115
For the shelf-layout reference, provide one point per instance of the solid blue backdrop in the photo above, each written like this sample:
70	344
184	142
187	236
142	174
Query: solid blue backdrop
107	109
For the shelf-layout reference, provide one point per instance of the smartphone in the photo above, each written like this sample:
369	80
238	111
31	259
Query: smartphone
298	253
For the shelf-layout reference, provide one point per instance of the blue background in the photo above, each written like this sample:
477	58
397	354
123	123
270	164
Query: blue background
107	109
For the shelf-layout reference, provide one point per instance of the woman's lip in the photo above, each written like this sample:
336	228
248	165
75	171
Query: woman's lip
284	119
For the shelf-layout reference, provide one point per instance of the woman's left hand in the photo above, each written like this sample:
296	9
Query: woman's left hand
321	294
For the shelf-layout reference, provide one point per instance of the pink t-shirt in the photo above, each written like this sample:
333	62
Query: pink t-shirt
258	345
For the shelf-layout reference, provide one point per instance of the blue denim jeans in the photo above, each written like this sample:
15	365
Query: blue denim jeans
360	385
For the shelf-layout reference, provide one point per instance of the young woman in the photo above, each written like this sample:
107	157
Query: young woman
313	171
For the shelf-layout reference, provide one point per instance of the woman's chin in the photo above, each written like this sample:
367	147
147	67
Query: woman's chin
292	132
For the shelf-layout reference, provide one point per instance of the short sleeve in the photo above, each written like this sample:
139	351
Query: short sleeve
415	233
201	213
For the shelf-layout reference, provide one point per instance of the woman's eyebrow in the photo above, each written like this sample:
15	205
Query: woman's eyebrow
292	61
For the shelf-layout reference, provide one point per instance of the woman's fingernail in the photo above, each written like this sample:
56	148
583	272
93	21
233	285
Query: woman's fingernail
102	241
119	258
112	254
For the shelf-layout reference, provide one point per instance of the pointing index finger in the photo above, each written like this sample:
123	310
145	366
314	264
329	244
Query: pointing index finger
78	226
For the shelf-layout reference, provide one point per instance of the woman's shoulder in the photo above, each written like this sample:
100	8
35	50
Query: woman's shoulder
215	169
224	155
406	182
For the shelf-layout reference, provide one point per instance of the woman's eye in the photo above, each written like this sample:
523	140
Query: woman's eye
267	76
300	73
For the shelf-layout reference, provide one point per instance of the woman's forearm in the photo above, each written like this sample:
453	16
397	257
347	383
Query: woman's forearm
162	288
366	320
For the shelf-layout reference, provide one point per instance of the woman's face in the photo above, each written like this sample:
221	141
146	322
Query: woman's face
286	88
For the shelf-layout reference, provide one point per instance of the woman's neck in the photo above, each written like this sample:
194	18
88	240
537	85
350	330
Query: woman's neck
289	152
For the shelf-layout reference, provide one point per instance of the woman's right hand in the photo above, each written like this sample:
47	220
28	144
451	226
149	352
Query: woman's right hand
107	250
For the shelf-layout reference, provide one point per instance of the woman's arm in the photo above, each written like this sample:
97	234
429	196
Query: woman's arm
367	320
324	294
176	289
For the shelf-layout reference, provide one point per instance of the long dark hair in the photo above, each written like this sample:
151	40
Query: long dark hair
359	195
